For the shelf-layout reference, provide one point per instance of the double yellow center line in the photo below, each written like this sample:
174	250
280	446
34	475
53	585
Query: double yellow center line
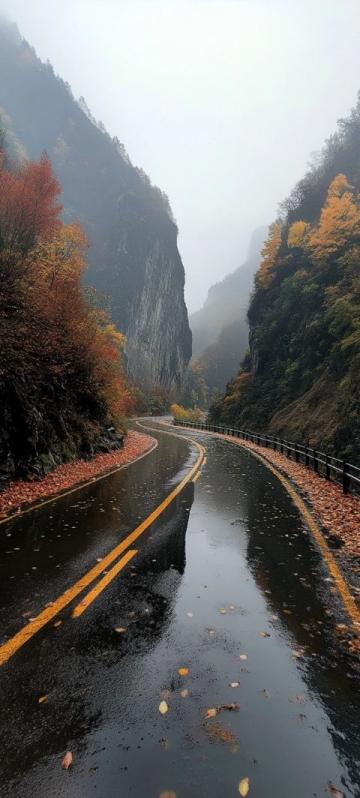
11	646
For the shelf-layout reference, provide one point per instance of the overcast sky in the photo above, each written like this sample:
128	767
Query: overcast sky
220	101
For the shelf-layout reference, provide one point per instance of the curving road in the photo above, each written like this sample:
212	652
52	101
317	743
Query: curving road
227	583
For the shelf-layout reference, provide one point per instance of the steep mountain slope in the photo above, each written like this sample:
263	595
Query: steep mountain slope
134	260
220	330
302	379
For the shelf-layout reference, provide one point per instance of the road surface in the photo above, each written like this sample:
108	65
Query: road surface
226	584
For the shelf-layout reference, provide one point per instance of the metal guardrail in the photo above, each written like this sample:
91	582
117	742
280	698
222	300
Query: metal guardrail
332	468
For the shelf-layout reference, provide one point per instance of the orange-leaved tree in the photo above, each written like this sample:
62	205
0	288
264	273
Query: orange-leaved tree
269	254
339	224
59	352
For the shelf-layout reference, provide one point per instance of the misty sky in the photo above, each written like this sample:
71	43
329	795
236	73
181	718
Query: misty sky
220	101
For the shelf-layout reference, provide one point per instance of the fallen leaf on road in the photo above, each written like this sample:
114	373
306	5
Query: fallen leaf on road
234	684
183	671
299	697
120	629
167	794
57	623
184	693
243	656
222	610
265	634
210	713
42	699
335	792
218	734
211	631
266	693
190	614
67	761
163	707
296	654
244	787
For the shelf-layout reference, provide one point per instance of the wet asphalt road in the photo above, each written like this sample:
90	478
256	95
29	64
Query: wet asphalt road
226	583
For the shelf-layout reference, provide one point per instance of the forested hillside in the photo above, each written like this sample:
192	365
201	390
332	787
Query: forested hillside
220	330
62	391
133	258
301	379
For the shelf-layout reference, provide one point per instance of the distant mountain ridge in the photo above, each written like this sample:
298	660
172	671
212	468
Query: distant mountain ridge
227	301
134	259
220	328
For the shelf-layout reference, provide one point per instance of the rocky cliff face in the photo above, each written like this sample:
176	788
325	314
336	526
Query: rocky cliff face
134	261
159	342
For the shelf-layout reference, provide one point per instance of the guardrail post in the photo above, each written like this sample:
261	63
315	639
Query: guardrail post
281	446
266	441
307	456
316	464
327	467
345	478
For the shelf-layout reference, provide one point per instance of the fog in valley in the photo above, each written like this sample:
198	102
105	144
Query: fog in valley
221	103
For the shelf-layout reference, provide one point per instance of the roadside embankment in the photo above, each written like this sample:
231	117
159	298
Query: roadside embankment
20	495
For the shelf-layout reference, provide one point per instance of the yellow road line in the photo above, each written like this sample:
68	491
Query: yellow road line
343	590
196	477
12	645
340	583
102	584
38	506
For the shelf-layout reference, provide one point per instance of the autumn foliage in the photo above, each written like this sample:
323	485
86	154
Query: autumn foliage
61	378
301	378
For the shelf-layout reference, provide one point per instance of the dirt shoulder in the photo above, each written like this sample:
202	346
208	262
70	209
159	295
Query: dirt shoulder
20	495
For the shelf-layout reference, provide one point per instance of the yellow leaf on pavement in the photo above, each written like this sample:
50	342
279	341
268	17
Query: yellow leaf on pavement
183	671
163	707
210	713
244	787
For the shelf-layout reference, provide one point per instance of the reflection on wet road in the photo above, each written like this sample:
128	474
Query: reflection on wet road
226	583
